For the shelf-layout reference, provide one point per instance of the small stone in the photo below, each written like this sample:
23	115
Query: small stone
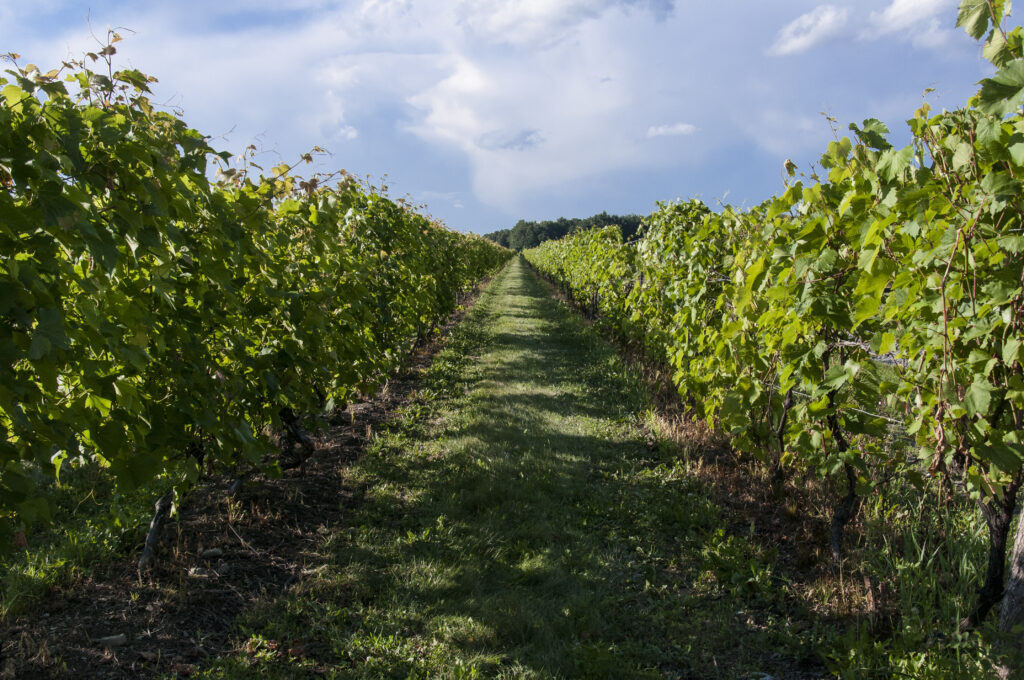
212	553
112	640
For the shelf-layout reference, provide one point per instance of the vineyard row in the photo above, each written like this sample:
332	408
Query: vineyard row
160	323
887	286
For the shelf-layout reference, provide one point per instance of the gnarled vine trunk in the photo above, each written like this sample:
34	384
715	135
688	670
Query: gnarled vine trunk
162	510
998	513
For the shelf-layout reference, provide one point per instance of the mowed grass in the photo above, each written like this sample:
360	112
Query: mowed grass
515	524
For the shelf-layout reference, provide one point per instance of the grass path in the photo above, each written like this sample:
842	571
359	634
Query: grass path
515	524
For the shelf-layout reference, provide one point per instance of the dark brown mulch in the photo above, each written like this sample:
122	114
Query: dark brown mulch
219	556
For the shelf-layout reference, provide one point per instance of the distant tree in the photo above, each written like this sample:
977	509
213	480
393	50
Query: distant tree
527	234
500	236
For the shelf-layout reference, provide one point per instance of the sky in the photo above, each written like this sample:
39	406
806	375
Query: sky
491	111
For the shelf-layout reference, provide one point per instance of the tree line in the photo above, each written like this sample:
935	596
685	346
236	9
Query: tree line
529	234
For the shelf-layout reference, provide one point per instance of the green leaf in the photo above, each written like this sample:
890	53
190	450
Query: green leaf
1011	351
1005	89
1005	456
47	371
873	133
51	326
1017	153
57	459
867	257
847	201
892	163
997	50
979	397
989	130
882	343
753	273
866	308
135	78
973	16
13	95
39	348
963	157
35	509
94	401
289	206
1000	183
836	377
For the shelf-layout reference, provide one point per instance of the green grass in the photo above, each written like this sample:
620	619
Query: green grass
928	557
87	532
514	524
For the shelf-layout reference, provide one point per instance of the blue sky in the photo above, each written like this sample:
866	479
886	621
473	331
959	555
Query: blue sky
489	111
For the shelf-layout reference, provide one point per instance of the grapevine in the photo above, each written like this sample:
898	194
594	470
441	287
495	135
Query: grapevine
160	323
886	294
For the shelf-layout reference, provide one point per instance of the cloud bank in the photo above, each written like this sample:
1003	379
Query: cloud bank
513	107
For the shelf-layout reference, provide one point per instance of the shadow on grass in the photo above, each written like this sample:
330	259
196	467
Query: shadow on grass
535	535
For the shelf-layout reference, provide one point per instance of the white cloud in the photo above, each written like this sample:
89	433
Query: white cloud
513	87
541	23
526	120
329	120
673	130
903	14
932	35
527	22
514	106
809	29
450	107
917	19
